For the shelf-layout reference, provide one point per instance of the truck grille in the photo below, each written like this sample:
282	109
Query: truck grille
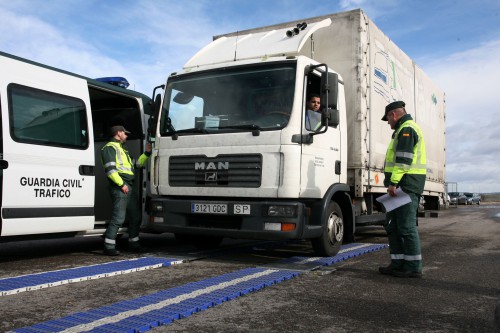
220	171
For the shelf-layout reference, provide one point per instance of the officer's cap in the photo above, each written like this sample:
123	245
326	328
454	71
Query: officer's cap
392	106
116	129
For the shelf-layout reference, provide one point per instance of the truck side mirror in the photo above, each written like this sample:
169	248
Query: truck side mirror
152	120
329	90
157	105
334	117
329	97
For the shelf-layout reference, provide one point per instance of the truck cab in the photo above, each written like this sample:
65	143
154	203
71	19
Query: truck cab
234	158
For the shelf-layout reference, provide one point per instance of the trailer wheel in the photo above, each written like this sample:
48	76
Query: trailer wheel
329	243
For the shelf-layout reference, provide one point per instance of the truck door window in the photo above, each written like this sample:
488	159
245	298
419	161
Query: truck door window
46	118
312	118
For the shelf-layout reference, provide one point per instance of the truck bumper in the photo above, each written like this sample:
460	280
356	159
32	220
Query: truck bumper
269	220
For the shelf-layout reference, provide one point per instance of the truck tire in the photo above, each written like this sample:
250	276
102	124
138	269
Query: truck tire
329	243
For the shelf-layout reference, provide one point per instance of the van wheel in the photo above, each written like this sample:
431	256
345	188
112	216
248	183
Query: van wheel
329	243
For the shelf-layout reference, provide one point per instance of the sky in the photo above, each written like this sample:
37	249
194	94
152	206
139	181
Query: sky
457	43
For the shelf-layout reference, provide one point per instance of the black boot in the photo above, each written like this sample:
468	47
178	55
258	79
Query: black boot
389	270
111	252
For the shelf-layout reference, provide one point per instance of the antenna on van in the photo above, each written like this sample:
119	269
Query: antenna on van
236	45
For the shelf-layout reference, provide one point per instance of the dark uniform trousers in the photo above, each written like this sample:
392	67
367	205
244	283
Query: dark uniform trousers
125	207
404	242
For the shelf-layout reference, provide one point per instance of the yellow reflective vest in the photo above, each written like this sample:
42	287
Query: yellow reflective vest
117	163
405	160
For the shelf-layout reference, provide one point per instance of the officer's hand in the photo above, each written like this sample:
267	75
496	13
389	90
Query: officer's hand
149	147
125	188
391	190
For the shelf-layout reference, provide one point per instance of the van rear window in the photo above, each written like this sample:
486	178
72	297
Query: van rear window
46	118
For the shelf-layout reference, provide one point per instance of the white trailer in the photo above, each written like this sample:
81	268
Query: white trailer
53	126
233	157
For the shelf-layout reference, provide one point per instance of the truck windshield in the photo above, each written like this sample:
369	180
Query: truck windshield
229	100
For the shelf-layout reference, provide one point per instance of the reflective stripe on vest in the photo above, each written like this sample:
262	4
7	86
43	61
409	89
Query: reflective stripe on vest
123	162
419	159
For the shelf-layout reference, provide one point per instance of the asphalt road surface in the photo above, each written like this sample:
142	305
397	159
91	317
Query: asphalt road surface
459	290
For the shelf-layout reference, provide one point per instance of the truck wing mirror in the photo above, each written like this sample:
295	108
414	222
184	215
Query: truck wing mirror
329	97
157	105
329	90
152	119
334	117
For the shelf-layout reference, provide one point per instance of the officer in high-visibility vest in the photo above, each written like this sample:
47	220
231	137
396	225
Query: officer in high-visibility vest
119	167
405	168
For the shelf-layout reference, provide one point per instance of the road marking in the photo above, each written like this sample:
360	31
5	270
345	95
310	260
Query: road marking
165	303
161	308
349	249
14	285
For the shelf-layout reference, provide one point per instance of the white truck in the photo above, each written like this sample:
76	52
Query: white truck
233	157
53	126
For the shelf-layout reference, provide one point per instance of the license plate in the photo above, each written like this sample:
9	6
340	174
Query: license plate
208	208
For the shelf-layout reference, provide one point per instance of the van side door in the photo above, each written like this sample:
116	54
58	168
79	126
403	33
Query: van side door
47	183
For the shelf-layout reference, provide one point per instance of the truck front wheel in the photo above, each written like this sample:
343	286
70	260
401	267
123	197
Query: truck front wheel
329	243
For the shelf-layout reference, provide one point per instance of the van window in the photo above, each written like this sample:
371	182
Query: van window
46	118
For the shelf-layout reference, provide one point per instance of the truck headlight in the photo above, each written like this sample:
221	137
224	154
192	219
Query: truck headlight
282	211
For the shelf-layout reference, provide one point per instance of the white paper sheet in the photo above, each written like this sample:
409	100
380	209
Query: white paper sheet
391	203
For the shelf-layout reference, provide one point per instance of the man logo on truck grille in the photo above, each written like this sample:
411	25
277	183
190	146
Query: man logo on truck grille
211	166
210	176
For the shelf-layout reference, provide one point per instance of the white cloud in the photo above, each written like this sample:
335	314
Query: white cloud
37	40
157	38
470	81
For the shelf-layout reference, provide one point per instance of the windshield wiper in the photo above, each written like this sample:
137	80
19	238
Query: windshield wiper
192	130
254	128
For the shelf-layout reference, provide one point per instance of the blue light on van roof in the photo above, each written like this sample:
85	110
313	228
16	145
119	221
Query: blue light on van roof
115	80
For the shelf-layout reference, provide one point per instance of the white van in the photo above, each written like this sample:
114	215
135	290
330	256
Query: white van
53	126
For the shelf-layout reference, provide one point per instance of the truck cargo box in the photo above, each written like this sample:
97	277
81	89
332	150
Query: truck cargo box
375	72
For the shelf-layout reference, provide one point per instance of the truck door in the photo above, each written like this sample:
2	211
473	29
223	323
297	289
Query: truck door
320	165
46	147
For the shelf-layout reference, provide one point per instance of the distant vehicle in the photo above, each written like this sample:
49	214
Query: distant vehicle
473	198
458	198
